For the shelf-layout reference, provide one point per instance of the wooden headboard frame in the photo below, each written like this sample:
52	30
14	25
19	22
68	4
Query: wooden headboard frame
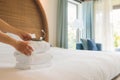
27	15
45	23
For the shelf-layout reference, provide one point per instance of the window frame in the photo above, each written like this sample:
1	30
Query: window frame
77	7
77	16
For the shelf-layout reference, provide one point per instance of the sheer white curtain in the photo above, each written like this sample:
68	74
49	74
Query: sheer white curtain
103	27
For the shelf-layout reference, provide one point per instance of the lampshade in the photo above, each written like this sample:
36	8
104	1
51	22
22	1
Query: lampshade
78	24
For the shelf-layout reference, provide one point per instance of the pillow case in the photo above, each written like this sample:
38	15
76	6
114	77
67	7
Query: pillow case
91	45
84	43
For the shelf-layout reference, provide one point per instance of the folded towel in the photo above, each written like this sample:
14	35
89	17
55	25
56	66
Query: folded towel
33	59
27	62
36	59
39	46
26	67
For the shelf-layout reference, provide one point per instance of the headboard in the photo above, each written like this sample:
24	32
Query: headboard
27	15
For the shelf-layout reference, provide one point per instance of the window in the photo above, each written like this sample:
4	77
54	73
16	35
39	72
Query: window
73	14
116	26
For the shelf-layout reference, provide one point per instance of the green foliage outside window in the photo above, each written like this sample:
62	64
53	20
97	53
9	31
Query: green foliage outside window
116	40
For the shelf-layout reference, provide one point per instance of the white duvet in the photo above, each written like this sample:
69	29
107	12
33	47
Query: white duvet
66	65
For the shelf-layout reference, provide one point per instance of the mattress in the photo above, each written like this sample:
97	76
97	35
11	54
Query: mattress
66	65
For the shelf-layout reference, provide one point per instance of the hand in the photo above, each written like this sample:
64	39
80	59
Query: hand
23	35
23	47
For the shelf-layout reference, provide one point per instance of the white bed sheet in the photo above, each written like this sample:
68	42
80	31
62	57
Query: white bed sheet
66	65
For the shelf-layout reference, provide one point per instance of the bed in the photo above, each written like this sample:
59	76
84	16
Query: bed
66	64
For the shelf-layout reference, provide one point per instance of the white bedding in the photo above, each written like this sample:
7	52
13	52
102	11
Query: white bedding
66	65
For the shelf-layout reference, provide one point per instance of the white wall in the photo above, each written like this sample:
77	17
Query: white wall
116	2
50	7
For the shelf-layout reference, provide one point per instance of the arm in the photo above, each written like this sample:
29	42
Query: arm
6	39
5	27
21	46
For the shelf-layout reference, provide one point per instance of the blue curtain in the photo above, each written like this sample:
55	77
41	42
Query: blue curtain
62	29
88	19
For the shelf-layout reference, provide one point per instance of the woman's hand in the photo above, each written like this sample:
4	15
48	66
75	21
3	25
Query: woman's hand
23	35
5	27
23	47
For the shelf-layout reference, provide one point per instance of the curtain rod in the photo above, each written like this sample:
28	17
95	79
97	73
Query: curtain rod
80	1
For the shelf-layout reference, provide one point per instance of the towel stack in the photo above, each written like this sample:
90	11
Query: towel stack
39	56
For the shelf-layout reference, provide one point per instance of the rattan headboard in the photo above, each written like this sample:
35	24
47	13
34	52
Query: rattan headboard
27	15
